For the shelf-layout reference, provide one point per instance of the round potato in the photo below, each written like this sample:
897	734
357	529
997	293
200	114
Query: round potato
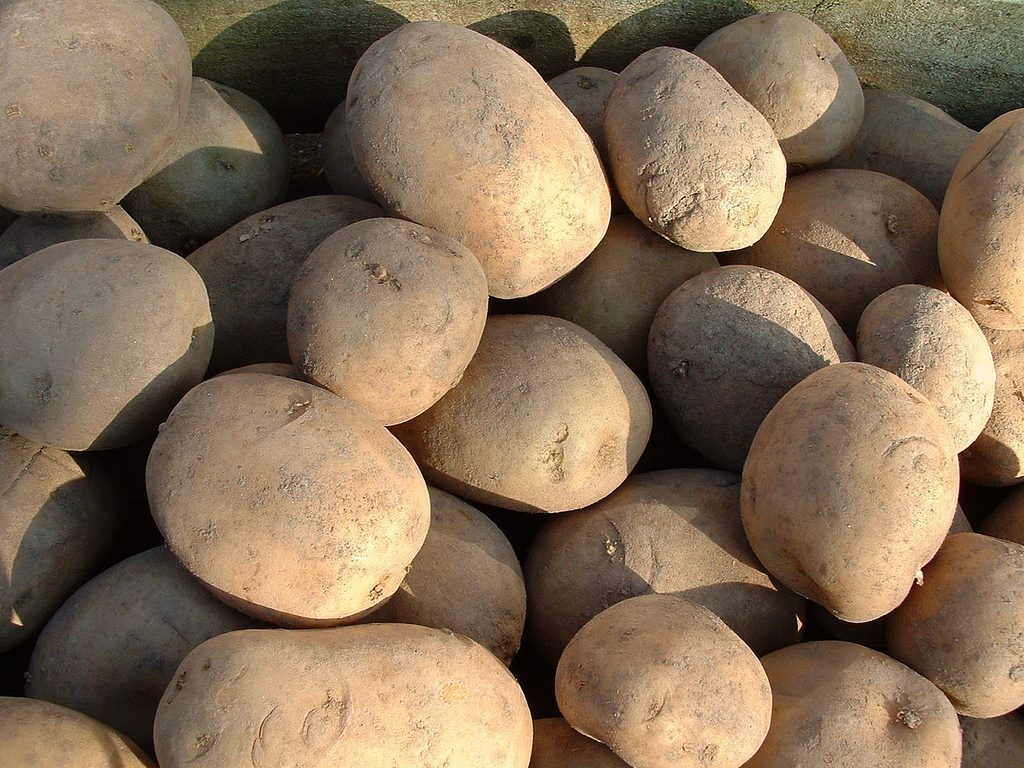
691	695
1007	520
524	187
557	745
726	345
931	341
101	338
94	92
336	155
348	697
287	370
572	417
849	489
797	77
585	91
691	158
963	627
993	742
387	314
28	235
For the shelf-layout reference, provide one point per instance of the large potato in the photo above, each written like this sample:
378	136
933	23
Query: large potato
992	742
100	339
849	489
348	697
524	189
545	419
691	158
28	235
94	93
289	502
557	745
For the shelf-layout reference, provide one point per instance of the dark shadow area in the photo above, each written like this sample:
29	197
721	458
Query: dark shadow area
540	38
979	501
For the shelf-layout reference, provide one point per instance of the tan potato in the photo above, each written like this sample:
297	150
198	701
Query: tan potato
672	532
336	155
289	502
931	341
348	697
691	158
92	101
797	77
585	91
287	370
992	742
37	733
840	705
387	314
524	188
1007	520
847	236
691	694
557	745
849	489
101	338
981	238
963	627
248	271
726	345
27	235
573	420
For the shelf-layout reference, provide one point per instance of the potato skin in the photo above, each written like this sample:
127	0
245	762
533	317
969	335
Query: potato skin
525	190
388	695
340	168
992	742
585	91
1006	521
557	745
28	235
850	455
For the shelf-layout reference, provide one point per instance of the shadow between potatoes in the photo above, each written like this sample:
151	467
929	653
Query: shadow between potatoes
540	38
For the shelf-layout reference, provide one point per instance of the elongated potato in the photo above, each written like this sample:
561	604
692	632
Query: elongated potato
28	235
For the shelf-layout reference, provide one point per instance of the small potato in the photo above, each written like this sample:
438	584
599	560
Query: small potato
691	694
797	77
930	341
347	697
963	627
557	745
336	155
287	370
840	705
27	235
585	91
992	742
1007	520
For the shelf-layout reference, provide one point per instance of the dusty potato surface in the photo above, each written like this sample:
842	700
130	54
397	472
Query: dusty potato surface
993	742
27	235
557	745
585	91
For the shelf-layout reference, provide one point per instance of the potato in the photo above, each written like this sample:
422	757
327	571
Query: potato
287	501
573	420
113	647
617	290
37	733
963	627
726	345
339	165
58	520
847	236
585	91
1007	520
27	235
906	137
840	705
101	338
993	742
981	238
557	745
849	489
676	532
249	269
228	161
797	77
692	160
347	697
387	314
692	694
287	370
466	578
94	93
524	187
931	341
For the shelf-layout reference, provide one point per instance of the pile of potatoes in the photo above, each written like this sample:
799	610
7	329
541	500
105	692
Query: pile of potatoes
660	418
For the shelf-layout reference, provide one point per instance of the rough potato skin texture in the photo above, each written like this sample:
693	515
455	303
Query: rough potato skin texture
113	647
336	155
981	234
101	338
691	695
94	93
931	341
28	235
524	188
963	627
387	314
726	345
557	745
992	742
840	705
38	733
691	158
849	489
288	501
585	91
1007	520
671	532
797	77
381	695
573	420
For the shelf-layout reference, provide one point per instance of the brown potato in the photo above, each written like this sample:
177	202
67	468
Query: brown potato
289	502
585	91
336	155
287	370
1007	520
963	627
557	745
993	742
28	235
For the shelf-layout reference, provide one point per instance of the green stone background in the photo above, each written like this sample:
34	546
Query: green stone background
295	56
